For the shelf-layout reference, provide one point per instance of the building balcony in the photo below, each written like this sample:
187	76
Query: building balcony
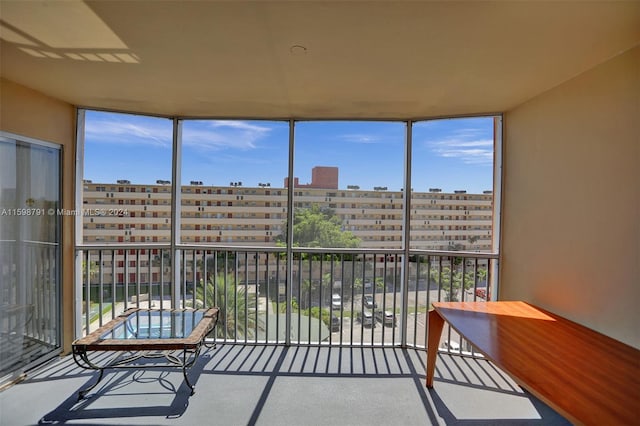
342	372
564	199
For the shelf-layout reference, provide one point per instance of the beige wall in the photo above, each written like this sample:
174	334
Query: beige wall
571	234
32	114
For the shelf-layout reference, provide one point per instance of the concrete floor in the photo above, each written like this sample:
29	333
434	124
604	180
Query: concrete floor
274	385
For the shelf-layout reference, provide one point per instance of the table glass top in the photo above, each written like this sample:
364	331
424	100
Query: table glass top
156	324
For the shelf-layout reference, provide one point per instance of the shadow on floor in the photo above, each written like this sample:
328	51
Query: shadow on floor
265	385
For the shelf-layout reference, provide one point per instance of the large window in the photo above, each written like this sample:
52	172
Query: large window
452	180
246	189
127	178
233	176
348	184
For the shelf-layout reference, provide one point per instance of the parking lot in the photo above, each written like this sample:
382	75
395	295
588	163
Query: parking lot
356	332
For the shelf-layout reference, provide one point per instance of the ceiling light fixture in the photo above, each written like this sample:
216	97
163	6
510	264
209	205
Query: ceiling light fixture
298	50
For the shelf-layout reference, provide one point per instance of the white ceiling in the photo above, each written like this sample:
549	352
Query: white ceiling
363	59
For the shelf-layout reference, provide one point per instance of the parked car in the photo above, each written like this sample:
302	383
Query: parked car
451	345
386	317
335	323
481	292
369	302
336	301
366	318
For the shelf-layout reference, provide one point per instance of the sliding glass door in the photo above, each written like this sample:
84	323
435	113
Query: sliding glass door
29	253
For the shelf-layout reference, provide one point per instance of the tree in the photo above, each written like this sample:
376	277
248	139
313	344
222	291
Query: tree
93	270
452	281
233	303
318	227
93	274
221	259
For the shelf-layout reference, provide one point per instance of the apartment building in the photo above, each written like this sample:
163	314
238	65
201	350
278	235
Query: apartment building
236	215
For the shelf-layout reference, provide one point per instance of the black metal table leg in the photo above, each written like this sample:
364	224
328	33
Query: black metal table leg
83	392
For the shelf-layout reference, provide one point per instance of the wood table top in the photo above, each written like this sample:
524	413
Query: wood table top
587	376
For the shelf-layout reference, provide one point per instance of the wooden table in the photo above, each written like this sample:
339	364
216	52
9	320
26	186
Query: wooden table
586	376
147	333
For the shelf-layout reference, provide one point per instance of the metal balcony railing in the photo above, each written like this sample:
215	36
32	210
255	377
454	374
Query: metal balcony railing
345	297
29	303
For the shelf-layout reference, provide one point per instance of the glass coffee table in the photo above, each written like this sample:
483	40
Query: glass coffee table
175	335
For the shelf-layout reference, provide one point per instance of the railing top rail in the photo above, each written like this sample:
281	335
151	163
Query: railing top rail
277	249
85	247
472	254
32	242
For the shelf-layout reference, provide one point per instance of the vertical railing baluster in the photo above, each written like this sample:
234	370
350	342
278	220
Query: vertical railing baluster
138	278
100	285
299	334
331	281
309	290
235	294
373	294
416	298
427	299
126	279
384	298
396	260
342	280
161	251
321	255
150	279
194	276
363	267
246	296
449	298
277	284
183	268
113	283
88	293
268	298
353	284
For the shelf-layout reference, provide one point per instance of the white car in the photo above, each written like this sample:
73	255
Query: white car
386	317
336	301
366	318
451	346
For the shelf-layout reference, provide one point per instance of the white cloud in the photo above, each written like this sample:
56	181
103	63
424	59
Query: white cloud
235	124
479	151
469	132
360	138
203	135
119	131
221	134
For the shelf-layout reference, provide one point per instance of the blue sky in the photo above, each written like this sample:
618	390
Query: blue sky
450	154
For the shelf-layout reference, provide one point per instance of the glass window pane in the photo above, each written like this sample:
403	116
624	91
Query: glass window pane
452	179
233	181
349	177
127	173
30	219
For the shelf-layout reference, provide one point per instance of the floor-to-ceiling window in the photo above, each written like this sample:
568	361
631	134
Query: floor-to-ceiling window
348	203
29	252
233	207
373	208
452	208
126	196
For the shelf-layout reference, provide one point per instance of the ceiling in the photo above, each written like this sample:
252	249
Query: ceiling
308	59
